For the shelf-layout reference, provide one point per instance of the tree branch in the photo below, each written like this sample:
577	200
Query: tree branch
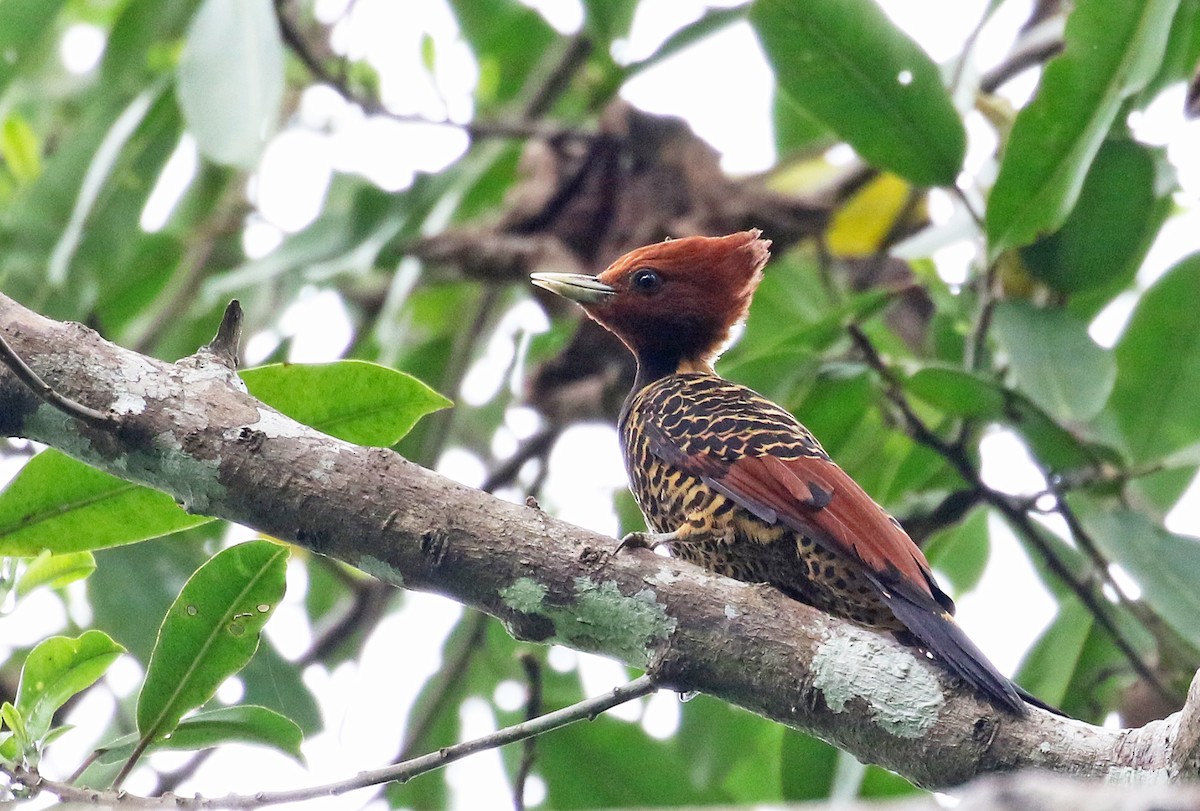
190	429
401	772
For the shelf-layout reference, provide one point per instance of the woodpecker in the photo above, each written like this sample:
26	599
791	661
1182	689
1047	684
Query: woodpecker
732	482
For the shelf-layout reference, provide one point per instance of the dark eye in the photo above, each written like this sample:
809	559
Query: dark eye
646	281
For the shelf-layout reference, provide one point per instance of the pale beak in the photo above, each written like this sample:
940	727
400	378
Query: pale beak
577	287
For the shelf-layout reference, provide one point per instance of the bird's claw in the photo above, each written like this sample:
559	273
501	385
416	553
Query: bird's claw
643	540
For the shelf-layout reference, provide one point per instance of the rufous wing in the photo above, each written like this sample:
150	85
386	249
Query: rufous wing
813	496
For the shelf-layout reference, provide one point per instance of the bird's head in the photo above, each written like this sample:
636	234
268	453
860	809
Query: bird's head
672	303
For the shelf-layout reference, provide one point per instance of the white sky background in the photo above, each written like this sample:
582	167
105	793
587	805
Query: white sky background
365	701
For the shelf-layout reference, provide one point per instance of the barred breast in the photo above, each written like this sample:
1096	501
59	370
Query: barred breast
697	411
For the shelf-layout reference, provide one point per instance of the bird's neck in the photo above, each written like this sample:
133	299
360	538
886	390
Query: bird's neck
652	366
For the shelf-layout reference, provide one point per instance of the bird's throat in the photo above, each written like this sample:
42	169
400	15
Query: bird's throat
652	366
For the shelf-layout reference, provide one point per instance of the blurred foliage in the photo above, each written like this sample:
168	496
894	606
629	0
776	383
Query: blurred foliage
130	197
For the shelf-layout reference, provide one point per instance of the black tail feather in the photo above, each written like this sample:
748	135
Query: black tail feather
937	631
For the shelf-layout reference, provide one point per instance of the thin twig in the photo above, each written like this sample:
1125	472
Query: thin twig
169	781
533	706
46	392
173	302
960	66
950	510
461	354
1084	539
588	708
447	678
536	447
1039	45
1016	516
370	600
294	39
977	341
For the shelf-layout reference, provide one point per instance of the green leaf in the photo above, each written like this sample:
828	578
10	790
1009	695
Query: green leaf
20	149
1121	206
102	167
15	746
807	767
508	40
277	684
1111	50
846	63
616	753
1049	666
210	632
208	728
1163	564
133	616
230	79
960	552
607	20
353	400
879	782
729	751
23	26
795	129
1158	361
62	505
55	571
1054	360
955	392
55	670
712	21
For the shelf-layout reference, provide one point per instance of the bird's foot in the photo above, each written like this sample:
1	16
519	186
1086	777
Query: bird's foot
644	540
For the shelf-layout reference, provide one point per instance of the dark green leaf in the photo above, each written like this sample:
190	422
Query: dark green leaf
795	129
607	20
1182	52
846	63
230	81
209	728
275	683
1111	50
101	171
55	670
960	552
353	400
60	504
133	616
1155	398
23	26
1049	666
712	21
1101	677
1054	360
1163	564
210	632
508	40
1121	206
616	754
807	767
955	392
1054	446
730	751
